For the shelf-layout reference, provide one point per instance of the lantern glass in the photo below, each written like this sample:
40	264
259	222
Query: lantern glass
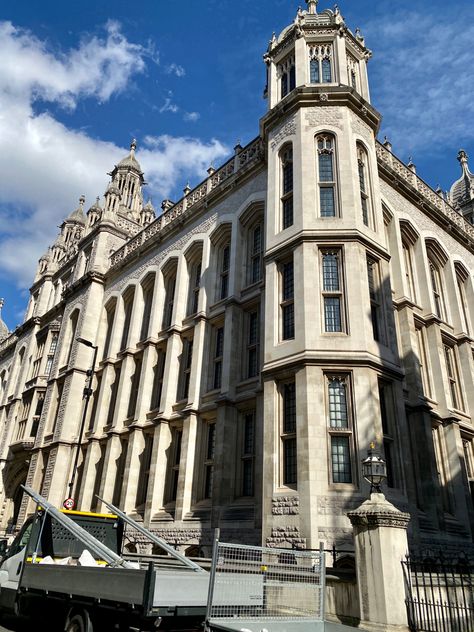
374	470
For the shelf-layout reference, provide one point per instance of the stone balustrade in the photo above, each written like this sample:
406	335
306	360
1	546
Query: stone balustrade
424	191
249	154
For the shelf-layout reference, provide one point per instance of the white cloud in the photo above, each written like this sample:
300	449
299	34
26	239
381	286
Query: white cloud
176	69
46	166
169	106
191	116
420	78
188	156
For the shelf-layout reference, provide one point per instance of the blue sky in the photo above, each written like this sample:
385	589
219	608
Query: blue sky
78	80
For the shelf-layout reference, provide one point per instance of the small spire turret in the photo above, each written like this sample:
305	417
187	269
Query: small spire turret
4	331
312	6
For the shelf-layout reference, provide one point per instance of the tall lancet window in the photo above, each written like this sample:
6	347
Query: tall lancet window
326	175
287	186
364	184
287	73
320	63
353	72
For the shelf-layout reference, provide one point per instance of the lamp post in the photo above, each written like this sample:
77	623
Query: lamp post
70	503
374	470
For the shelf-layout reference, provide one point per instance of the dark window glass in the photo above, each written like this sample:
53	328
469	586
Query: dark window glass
341	460
326	171
288	313
338	417
290	462
331	272
126	323
314	71
169	302
289	408
147	303
218	353
332	314
225	265
327	201
253	337
326	68
158	374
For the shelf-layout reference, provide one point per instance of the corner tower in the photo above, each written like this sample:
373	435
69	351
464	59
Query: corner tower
330	346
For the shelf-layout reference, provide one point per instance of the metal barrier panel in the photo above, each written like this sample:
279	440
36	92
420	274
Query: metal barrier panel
261	583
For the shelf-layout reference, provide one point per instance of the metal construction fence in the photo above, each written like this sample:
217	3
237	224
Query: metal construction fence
255	583
439	595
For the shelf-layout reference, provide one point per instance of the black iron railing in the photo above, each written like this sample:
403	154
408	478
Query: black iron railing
439	595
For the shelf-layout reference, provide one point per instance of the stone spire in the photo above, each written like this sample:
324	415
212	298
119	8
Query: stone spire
4	332
312	6
124	194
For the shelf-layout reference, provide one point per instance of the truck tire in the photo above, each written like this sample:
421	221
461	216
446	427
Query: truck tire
79	622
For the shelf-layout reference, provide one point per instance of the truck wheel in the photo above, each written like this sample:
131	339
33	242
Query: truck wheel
79	622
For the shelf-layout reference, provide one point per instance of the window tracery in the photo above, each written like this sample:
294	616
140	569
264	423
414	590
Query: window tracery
320	63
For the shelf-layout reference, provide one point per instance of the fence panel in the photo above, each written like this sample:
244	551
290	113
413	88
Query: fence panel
439	595
254	583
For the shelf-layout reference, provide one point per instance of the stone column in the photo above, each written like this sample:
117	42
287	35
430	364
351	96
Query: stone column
380	538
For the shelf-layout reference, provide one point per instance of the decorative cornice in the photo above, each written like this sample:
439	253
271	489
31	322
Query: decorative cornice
378	512
311	96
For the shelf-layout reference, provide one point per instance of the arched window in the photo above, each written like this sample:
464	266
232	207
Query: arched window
128	299
255	253
340	428
462	277
286	158
326	175
364	184
194	287
71	334
110	317
148	288
353	72
436	262
287	73
320	63
224	269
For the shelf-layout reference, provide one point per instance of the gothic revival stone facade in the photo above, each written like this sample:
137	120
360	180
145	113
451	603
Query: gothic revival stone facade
312	295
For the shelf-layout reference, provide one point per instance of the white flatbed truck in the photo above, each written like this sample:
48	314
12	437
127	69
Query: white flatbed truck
249	589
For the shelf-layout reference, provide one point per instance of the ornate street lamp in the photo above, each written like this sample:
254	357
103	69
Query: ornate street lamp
374	470
70	503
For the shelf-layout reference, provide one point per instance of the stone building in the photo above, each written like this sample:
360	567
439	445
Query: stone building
311	296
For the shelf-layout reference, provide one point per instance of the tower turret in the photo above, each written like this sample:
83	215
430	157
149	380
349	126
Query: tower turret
316	50
124	193
462	191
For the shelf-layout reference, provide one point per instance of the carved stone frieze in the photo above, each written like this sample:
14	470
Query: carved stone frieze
336	535
324	116
286	506
333	506
282	536
283	132
361	128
